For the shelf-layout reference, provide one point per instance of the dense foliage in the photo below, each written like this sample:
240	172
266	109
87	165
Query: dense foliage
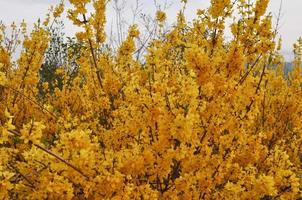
201	117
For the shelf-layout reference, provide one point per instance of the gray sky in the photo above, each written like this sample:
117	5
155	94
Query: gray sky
31	10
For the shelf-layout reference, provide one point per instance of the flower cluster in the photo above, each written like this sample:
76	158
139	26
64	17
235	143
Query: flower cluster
201	117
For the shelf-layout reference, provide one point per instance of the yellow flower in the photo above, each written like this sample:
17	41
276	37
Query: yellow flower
58	10
133	31
3	79
161	16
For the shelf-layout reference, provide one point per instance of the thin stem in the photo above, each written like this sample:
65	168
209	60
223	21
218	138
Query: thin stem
52	154
94	57
33	101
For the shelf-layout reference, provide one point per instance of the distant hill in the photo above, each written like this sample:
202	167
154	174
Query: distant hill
288	67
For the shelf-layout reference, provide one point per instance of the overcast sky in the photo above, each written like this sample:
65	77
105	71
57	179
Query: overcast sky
31	10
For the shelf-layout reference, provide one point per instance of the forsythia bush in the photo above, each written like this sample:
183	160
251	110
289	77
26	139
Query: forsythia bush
201	117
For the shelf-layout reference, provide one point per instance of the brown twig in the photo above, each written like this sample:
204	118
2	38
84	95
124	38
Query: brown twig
93	56
31	184
248	72
61	159
52	154
33	101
